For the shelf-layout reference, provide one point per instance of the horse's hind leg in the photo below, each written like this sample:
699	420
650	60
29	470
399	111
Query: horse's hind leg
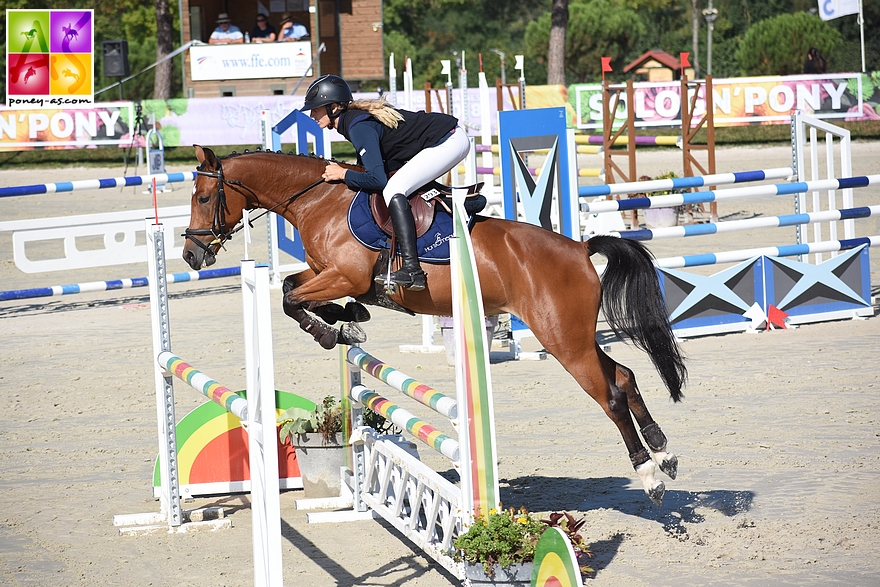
625	379
597	375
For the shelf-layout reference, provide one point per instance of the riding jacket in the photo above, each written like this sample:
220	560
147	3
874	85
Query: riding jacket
381	149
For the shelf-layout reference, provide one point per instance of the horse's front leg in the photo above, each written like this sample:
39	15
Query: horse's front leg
311	291
654	437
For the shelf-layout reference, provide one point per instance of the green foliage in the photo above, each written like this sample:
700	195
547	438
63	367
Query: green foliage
778	45
596	28
511	536
325	419
505	538
571	527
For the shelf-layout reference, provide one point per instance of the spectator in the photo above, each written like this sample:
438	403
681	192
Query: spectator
263	32
815	63
290	30
226	33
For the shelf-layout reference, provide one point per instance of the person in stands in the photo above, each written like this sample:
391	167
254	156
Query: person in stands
815	63
263	32
418	146
226	33
291	30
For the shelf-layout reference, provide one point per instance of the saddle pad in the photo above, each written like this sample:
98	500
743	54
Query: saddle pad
433	246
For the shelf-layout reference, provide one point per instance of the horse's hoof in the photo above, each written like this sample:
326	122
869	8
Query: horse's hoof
351	333
655	494
357	312
328	339
669	465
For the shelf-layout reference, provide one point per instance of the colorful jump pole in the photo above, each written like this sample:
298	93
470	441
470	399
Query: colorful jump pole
95	184
226	398
476	417
684	183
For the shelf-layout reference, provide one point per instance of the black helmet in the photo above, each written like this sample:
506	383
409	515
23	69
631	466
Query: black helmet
327	89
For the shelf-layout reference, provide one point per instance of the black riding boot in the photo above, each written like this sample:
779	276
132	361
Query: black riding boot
410	275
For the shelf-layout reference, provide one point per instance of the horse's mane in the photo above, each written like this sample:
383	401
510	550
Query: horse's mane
310	156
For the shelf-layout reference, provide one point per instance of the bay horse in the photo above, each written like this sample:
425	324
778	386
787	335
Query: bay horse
544	278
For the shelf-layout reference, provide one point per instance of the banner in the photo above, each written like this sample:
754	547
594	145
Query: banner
58	128
250	60
49	58
737	101
831	9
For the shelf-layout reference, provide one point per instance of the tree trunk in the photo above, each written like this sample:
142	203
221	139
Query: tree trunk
164	46
556	48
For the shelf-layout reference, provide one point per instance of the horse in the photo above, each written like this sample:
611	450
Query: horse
545	279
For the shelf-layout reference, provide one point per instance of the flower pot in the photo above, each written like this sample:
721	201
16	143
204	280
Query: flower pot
516	575
320	463
661	217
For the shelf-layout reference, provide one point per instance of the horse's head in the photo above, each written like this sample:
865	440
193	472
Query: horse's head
217	205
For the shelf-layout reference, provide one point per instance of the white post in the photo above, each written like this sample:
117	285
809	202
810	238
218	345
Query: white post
169	497
262	443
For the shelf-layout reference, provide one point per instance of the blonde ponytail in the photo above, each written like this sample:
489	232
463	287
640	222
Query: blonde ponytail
380	109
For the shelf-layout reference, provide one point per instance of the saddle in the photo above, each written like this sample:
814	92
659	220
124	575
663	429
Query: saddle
423	202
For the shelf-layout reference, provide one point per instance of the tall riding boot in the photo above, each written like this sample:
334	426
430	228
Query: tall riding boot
410	275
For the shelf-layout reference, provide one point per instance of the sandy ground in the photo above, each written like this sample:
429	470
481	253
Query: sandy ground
777	436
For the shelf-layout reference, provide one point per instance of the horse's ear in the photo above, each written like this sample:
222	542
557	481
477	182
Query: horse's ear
204	154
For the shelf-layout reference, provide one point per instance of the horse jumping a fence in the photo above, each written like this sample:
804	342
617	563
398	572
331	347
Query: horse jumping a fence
544	278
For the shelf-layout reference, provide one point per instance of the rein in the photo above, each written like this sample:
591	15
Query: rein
218	228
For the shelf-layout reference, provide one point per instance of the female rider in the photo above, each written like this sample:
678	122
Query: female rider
417	146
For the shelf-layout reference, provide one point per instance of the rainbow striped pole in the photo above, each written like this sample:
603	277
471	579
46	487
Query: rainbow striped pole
420	392
229	400
445	445
476	418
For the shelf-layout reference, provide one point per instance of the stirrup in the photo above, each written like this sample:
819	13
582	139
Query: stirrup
411	280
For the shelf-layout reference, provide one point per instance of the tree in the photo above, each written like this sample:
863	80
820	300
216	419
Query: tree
778	45
556	43
164	46
596	29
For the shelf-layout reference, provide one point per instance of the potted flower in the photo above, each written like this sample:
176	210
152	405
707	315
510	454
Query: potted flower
320	451
499	549
661	217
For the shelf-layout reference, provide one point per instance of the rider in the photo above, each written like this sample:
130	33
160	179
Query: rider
417	146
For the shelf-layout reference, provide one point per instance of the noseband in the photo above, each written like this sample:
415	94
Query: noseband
219	229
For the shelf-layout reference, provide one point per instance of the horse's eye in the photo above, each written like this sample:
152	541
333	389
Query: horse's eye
204	199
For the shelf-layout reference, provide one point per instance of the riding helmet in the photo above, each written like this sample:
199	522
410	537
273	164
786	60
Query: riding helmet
327	89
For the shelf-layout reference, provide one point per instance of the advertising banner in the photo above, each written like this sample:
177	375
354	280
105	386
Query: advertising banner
49	58
737	101
101	124
250	61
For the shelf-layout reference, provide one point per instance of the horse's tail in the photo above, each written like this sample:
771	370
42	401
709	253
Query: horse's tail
634	306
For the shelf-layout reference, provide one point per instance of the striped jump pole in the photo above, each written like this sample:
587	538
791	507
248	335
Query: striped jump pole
220	395
683	183
420	392
780	189
656	141
95	184
737	225
781	251
581	149
445	445
114	284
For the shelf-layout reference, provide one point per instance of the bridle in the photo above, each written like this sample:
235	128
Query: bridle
219	228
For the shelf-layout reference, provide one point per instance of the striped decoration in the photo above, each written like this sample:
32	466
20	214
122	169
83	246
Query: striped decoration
420	392
479	467
445	445
684	183
749	223
95	184
779	189
75	288
781	251
229	400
